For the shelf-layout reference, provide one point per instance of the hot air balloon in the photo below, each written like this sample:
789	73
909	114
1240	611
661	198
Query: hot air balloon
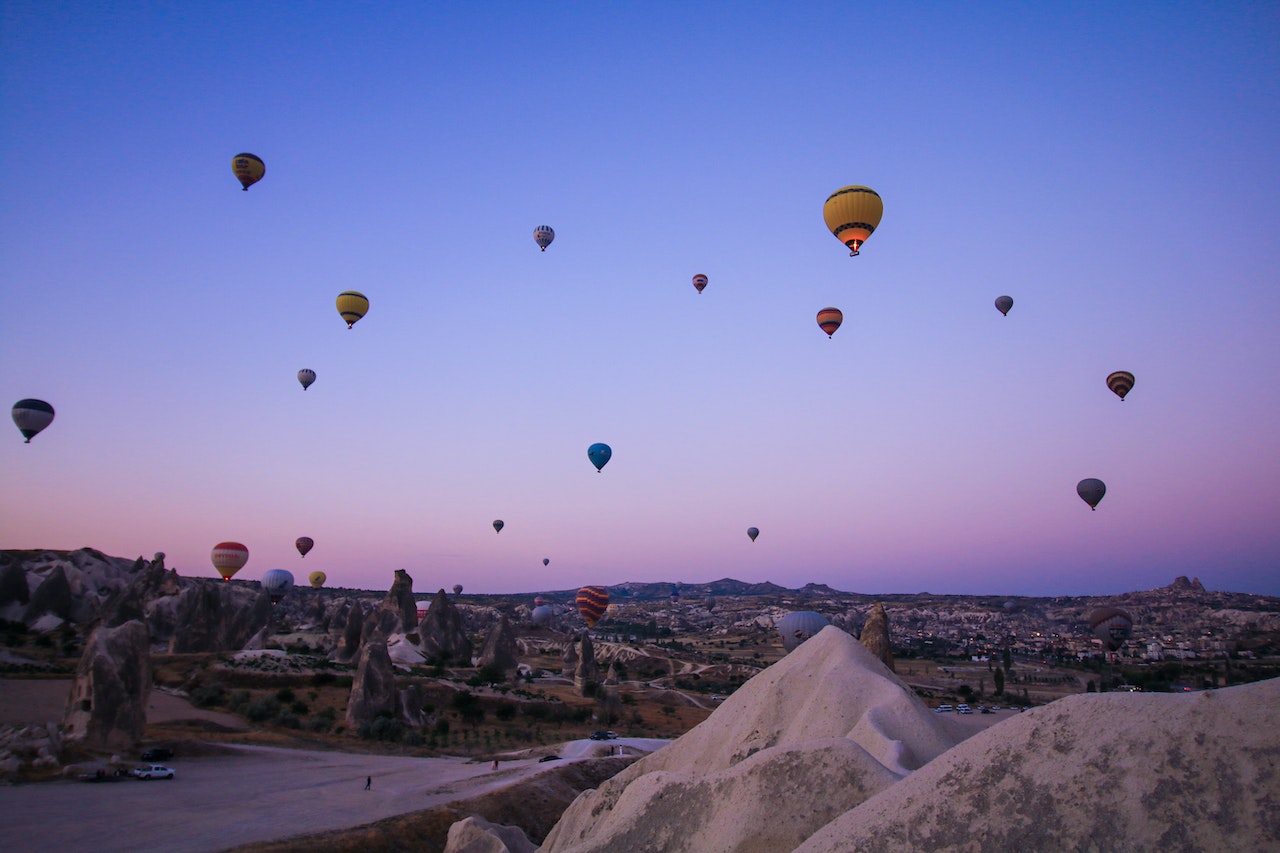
249	169
675	594
352	305
546	561
31	416
317	579
592	602
457	589
699	281
538	601
1091	490
543	614
852	213
229	558
304	544
497	525
1112	626
277	583
599	454
829	319
709	602
1003	304
544	234
1120	383
796	627
753	532
306	376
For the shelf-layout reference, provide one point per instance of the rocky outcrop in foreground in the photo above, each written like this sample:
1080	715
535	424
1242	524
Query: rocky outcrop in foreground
442	634
107	708
875	635
500	647
373	689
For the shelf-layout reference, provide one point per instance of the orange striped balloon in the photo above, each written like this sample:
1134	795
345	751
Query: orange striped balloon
829	319
1120	383
229	558
592	603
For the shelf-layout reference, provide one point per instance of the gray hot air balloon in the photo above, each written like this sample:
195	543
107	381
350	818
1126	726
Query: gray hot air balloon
753	532
306	376
1091	490
277	583
1003	304
543	614
1112	626
31	416
795	628
543	235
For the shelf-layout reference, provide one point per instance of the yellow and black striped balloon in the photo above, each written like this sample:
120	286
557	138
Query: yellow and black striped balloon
592	602
852	213
1120	383
829	319
248	169
352	305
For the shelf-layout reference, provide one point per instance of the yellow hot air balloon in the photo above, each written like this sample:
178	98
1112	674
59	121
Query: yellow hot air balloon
352	305
852	213
229	558
249	169
317	579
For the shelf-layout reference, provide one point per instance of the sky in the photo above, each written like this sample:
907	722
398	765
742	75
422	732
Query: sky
1112	167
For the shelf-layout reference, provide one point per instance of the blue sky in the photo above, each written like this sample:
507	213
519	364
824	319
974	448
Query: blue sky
1113	168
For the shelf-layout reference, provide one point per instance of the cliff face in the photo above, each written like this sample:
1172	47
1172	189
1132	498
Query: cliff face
107	707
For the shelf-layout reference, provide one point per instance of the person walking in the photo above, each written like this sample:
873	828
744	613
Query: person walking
368	782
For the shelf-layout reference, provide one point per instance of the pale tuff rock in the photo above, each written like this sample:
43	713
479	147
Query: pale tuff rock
397	614
209	616
442	633
587	674
477	835
1112	771
569	660
349	643
500	647
875	635
107	708
373	690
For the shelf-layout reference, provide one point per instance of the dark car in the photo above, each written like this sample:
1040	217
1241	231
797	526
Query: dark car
601	734
547	758
157	753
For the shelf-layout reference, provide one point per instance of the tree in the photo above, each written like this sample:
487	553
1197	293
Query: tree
999	677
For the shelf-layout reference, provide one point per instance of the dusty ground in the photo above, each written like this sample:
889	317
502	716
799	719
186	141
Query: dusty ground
41	700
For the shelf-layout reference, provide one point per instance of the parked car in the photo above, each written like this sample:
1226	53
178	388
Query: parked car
544	759
944	709
601	734
964	709
153	771
157	753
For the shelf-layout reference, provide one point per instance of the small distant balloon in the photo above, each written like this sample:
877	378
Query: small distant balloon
304	544
538	601
317	579
248	169
592	603
753	532
457	589
31	416
229	558
1003	304
1112	626
1091	490
675	594
796	627
543	235
352	305
277	583
306	376
851	214
599	454
700	281
829	319
498	525
1121	383
546	561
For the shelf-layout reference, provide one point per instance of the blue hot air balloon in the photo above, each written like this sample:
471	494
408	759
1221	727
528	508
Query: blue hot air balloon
599	454
277	582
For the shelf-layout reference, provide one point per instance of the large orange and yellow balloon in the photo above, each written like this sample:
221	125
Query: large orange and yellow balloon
852	213
249	169
229	558
592	602
352	305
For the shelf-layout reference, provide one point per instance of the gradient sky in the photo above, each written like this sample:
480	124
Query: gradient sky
1112	167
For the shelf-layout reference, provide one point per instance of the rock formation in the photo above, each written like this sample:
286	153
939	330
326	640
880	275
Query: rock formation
397	614
53	595
13	582
442	634
875	635
209	616
500	647
476	835
569	660
107	708
373	690
587	674
349	642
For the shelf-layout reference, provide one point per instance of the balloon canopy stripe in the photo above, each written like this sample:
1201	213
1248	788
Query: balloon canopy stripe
846	190
859	226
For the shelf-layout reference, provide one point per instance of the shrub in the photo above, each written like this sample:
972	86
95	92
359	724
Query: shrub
299	707
413	738
204	697
284	694
382	728
317	724
262	710
321	679
505	711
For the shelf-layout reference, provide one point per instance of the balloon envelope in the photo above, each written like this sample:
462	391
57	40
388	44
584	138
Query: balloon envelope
592	602
498	525
1091	490
1120	383
31	416
795	628
248	169
543	235
546	561
229	558
304	544
277	582
317	579
1112	626
599	454
1003	304
352	305
700	281
543	614
753	532
851	214
829	319
306	376
457	589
